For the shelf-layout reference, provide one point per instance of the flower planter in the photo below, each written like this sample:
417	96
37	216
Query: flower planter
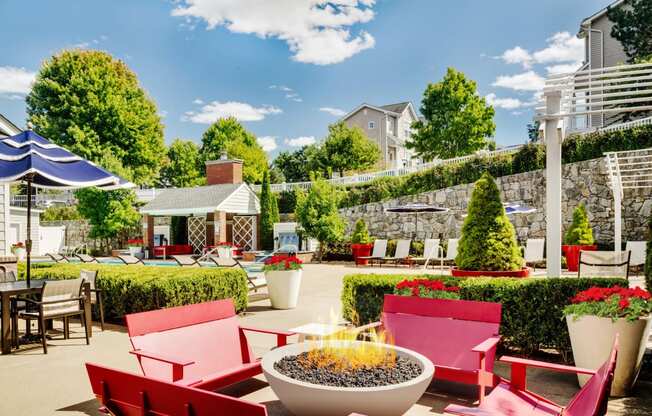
524	272
225	251
20	253
572	254
283	288
361	250
592	338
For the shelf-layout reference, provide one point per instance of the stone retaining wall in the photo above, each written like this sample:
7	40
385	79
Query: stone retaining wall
586	182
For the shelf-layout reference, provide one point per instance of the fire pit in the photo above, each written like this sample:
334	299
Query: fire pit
336	378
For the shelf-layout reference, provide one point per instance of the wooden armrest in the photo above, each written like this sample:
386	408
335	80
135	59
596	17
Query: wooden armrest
281	336
177	363
486	345
519	369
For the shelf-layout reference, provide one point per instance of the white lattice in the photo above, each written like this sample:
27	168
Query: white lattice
244	232
197	233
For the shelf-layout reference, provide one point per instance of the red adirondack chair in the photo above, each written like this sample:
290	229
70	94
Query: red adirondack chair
125	394
512	397
458	336
200	345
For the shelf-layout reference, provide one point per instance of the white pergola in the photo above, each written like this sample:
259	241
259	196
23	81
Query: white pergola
587	98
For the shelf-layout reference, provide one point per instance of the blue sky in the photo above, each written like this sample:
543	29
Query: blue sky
286	68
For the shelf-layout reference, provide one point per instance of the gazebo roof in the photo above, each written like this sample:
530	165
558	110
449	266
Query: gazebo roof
199	200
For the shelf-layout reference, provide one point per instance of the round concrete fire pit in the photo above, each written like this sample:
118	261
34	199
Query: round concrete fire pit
308	399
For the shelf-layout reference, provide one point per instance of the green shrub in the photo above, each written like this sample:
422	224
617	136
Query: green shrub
488	239
530	157
128	289
580	232
360	233
532	308
337	251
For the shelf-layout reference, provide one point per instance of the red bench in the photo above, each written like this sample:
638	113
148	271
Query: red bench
513	398
458	336
199	345
172	250
127	394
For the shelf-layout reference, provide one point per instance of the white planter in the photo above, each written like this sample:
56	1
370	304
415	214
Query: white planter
225	252
592	338
283	288
307	399
20	253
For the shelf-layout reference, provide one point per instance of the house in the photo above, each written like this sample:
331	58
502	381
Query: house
389	127
225	210
600	49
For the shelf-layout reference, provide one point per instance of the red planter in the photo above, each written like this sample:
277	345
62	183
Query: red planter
361	250
572	254
524	272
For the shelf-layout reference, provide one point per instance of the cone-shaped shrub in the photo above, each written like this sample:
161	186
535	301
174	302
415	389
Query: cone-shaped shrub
268	214
488	239
580	232
360	233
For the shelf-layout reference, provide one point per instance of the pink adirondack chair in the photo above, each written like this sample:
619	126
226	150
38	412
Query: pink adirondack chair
125	394
200	345
512	397
458	336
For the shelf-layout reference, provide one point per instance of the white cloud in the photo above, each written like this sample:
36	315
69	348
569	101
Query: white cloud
162	113
527	81
198	101
210	112
300	141
506	103
290	94
517	55
281	87
268	143
562	47
316	31
336	112
15	80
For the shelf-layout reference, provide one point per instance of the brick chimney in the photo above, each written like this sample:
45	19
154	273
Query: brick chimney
223	171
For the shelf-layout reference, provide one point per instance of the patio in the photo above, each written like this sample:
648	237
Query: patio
320	293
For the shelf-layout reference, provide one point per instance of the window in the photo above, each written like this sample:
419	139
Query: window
372	125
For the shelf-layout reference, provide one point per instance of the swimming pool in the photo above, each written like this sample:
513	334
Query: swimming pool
251	268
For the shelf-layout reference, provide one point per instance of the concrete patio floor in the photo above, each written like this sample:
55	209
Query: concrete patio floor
56	384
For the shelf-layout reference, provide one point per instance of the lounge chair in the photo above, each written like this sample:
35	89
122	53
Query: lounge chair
534	250
185	260
638	250
401	253
58	258
129	259
378	253
256	282
431	251
451	250
603	264
85	258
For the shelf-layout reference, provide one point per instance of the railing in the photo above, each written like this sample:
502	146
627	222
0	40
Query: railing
42	201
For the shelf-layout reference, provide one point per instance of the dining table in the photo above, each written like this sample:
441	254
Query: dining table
11	289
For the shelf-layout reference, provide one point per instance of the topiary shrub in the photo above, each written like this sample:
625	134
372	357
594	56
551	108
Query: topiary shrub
580	232
360	233
488	239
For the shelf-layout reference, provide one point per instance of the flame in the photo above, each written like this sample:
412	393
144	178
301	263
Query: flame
340	352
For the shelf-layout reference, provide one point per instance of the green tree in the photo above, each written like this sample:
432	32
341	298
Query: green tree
268	214
91	103
60	213
633	27
347	148
457	121
293	165
533	131
488	239
317	213
228	135
183	166
580	232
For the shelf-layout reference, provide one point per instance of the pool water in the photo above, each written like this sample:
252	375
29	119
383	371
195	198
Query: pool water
252	268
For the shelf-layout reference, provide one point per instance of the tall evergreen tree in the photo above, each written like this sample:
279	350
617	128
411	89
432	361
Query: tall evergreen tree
268	214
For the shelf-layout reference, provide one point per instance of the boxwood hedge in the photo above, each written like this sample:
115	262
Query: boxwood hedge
128	289
532	308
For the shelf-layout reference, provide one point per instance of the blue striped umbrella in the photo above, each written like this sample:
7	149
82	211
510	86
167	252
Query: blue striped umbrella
40	163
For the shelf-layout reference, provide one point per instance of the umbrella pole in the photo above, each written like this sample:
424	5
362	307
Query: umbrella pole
28	241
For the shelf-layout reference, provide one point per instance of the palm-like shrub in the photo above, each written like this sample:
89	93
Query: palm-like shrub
360	233
580	232
488	239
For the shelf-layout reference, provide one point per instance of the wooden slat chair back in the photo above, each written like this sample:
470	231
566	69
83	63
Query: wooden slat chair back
603	264
127	394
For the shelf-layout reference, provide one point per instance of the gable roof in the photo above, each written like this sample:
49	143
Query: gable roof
586	22
396	108
7	128
237	198
390	109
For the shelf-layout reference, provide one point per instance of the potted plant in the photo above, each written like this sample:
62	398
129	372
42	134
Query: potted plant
594	318
361	243
283	276
578	237
488	245
427	288
19	250
225	249
135	246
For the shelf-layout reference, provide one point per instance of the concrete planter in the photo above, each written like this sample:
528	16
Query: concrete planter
283	288
20	253
307	399
592	338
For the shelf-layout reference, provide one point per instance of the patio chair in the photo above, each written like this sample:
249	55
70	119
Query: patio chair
401	253
122	393
58	258
458	336
432	250
129	259
7	275
85	258
513	398
255	281
604	264
200	345
59	299
534	250
96	294
451	252
185	260
378	253
638	250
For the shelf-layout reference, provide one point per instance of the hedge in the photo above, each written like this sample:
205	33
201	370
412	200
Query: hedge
532	308
128	289
528	158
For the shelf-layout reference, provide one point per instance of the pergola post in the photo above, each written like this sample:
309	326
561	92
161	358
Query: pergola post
553	141
618	226
148	233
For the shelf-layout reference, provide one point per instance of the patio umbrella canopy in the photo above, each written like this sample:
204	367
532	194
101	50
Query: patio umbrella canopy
511	209
37	162
416	209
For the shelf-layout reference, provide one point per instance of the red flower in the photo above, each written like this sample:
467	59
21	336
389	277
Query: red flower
624	303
